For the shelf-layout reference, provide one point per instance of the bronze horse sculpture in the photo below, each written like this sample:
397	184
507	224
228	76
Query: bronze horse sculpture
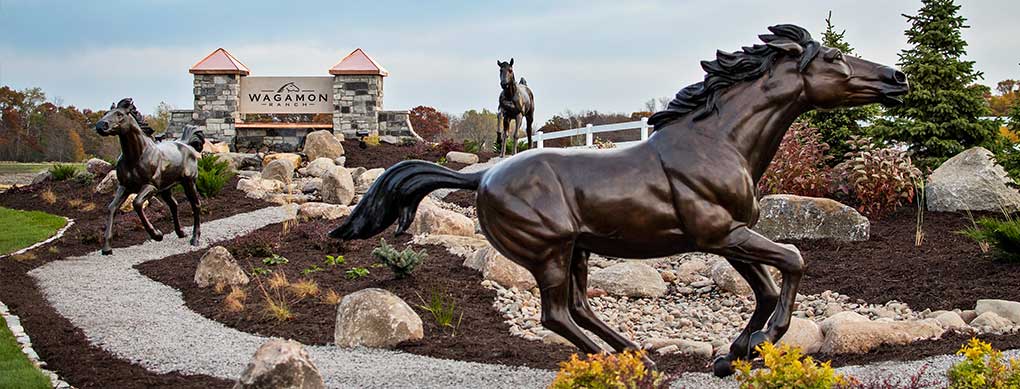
516	102
689	187
147	168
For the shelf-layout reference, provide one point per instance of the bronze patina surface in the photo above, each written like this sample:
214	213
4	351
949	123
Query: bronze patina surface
147	168
516	102
689	187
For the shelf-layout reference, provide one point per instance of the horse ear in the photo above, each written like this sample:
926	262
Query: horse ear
511	62
788	47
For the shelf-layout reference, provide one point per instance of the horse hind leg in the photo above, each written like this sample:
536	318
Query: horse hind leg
138	204
766	296
553	277
196	209
171	204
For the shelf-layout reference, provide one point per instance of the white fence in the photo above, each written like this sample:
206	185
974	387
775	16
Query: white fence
589	132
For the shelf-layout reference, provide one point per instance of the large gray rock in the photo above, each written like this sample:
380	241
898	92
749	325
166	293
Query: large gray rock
98	167
280	364
856	337
991	321
108	183
337	186
501	270
1004	308
632	279
241	161
317	167
365	180
217	266
971	181
796	217
375	318
727	279
432	219
257	188
805	334
322	144
462	157
45	175
315	210
281	170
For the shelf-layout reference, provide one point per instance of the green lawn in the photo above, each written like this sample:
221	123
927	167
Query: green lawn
24	228
16	371
20	168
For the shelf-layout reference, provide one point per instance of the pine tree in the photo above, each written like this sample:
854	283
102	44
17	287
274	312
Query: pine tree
940	116
838	125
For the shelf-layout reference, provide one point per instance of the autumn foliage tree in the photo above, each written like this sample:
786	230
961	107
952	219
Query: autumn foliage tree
428	122
32	130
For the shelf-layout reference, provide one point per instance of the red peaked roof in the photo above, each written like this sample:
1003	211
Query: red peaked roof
219	62
357	62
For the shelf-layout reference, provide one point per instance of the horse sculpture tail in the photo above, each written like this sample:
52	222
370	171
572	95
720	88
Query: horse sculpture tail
194	137
396	193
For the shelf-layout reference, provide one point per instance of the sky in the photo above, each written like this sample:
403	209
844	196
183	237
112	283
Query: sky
576	55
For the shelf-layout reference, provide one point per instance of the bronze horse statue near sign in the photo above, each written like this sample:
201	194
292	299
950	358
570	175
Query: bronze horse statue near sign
146	168
516	102
689	187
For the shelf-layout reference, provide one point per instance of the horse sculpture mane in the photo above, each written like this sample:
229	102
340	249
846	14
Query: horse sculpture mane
731	68
129	104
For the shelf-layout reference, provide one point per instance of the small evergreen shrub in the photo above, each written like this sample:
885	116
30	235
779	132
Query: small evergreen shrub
61	171
877	179
983	367
1003	234
608	371
786	367
213	175
799	166
401	262
471	146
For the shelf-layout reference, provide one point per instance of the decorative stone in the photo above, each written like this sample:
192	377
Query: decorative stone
463	246
727	279
805	334
337	186
241	161
98	167
375	318
217	266
501	270
295	160
462	157
281	170
317	167
1006	309
631	279
280	364
950	320
366	179
108	183
971	181
679	346
43	176
311	185
840	318
323	144
314	210
258	188
992	321
389	139
431	219
785	217
861	337
215	148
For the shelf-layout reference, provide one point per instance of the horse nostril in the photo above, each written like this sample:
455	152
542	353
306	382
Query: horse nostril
102	126
899	77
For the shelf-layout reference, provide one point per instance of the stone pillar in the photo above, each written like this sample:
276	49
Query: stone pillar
216	102
357	100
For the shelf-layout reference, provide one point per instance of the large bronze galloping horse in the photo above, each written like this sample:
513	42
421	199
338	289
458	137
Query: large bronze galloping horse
689	187
147	168
516	102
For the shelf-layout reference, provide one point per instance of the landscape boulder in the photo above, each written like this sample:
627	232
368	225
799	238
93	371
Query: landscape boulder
853	337
991	321
44	176
679	346
840	318
108	184
241	161
295	160
280	364
281	170
432	219
950	320
462	157
632	279
971	181
805	334
258	188
322	144
785	217
337	186
463	246
318	167
389	139
215	147
501	270
727	279
217	266
98	167
375	318
316	210
1004	308
366	179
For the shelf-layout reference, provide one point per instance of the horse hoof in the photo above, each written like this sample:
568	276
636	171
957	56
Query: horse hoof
181	234
722	367
107	252
194	241
757	338
158	237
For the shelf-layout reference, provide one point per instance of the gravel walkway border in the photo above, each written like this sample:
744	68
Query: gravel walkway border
25	342
56	235
146	322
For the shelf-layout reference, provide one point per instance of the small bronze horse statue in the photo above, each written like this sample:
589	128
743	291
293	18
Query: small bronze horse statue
147	168
516	102
689	187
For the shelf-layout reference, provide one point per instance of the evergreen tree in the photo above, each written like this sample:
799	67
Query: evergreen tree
838	125
940	116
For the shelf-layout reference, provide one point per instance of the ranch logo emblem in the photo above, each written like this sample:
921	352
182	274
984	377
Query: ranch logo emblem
287	95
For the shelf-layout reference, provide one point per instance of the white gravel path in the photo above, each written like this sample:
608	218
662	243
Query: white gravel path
146	322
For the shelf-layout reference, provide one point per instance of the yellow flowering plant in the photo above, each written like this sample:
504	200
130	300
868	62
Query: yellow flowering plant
983	367
625	370
787	367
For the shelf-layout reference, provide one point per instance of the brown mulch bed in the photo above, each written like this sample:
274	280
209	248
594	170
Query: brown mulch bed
62	345
386	155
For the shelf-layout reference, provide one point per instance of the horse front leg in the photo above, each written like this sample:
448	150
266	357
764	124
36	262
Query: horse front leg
517	131
196	209
503	132
171	204
138	204
114	206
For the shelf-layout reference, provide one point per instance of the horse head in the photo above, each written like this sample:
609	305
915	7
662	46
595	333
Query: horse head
120	119
506	73
833	79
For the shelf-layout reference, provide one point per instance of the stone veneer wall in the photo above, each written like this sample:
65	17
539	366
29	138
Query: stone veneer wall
396	123
178	119
357	101
216	103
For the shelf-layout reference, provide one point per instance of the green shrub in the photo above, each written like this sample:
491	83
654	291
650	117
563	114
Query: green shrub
401	262
213	175
63	171
608	371
1003	234
471	146
443	310
786	367
521	146
274	260
877	179
356	273
983	367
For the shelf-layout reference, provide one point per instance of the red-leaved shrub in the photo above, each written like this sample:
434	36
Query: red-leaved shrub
877	179
799	166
